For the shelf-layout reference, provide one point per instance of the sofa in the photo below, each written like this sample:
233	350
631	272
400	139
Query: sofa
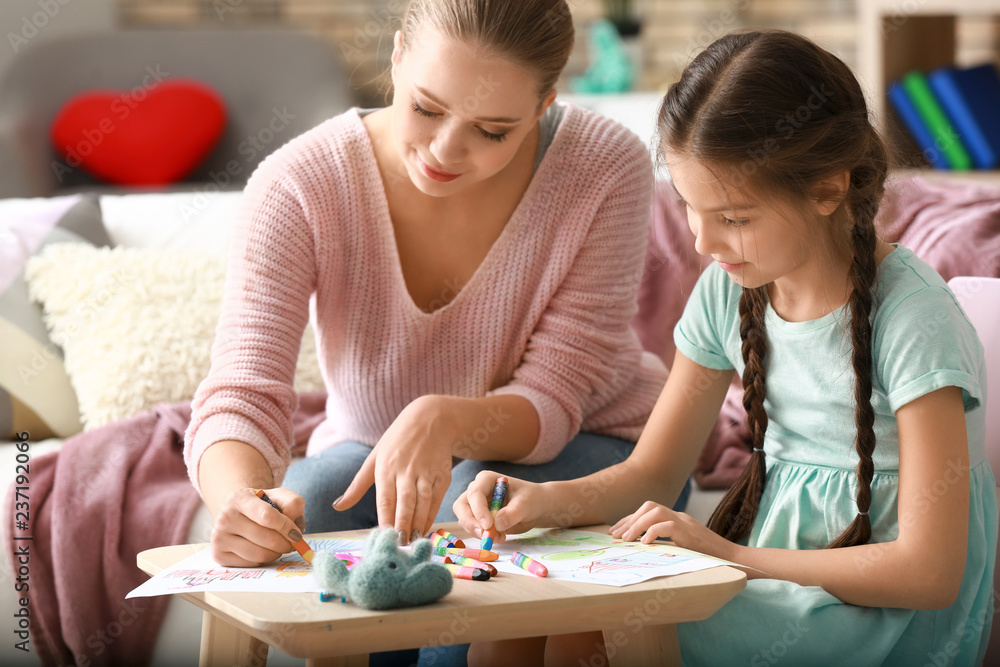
133	312
275	84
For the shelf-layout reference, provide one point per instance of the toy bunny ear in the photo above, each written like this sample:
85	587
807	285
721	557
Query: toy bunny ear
382	540
421	551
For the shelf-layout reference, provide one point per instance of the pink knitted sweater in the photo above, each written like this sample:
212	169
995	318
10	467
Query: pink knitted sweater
546	315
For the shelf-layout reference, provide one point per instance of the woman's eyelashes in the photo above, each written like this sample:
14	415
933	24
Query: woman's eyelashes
492	136
737	222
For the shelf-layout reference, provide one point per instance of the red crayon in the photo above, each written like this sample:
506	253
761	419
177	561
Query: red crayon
455	542
477	554
466	572
529	564
472	562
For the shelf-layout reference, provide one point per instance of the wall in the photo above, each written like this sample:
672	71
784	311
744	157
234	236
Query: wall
361	30
27	23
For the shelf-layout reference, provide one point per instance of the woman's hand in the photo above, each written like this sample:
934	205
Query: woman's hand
655	521
527	505
410	467
249	532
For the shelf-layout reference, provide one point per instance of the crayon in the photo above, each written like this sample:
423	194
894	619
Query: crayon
478	554
440	542
441	559
455	542
496	503
300	545
529	564
472	562
465	572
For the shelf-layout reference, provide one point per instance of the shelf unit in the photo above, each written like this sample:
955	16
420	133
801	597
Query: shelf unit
897	36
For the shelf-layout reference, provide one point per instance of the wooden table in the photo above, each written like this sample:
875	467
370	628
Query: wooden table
637	620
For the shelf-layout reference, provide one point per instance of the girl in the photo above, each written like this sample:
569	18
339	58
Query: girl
468	257
866	518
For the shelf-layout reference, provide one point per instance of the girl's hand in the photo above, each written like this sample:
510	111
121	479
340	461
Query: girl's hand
410	467
249	532
655	521
527	504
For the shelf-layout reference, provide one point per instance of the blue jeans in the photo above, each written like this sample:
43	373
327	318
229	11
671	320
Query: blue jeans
323	478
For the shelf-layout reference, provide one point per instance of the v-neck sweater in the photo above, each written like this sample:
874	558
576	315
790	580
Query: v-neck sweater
545	316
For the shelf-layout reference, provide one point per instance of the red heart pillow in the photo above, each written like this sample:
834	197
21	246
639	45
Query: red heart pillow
145	136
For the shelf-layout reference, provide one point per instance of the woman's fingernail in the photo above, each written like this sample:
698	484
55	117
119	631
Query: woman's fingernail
484	522
300	521
401	538
500	524
337	501
415	535
294	535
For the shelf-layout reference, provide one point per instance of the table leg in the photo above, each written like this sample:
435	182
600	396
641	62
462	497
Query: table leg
650	645
224	645
339	661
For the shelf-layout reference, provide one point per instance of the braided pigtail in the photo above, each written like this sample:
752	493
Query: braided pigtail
864	199
800	114
735	514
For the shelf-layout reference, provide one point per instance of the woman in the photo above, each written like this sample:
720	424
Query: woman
468	256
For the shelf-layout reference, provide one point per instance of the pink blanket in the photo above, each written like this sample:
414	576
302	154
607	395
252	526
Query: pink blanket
954	226
107	495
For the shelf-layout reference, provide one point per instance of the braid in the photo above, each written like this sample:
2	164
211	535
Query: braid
735	514
863	269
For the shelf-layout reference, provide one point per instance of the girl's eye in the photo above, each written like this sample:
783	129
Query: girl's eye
736	223
423	112
493	137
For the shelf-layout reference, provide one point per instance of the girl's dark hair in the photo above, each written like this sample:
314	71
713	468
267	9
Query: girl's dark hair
775	111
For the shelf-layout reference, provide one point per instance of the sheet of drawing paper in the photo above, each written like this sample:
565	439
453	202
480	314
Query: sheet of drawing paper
596	558
289	574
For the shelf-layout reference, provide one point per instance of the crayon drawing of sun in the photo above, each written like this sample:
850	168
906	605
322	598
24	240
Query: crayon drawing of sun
294	569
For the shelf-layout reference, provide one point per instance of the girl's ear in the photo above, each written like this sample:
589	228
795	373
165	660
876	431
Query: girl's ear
829	192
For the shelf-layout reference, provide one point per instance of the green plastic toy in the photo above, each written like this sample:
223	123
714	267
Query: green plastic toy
611	69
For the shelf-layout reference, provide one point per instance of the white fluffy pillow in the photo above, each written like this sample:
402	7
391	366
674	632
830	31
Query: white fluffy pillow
136	325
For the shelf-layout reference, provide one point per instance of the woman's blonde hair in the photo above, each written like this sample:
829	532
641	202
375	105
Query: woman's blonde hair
536	34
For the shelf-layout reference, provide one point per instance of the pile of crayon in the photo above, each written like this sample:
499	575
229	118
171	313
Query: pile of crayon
464	563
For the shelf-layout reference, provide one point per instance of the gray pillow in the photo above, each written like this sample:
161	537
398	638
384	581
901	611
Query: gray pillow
34	388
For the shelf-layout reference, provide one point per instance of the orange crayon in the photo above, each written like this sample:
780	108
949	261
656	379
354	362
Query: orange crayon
477	554
300	544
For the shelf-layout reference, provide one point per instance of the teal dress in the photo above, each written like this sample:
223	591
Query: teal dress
922	342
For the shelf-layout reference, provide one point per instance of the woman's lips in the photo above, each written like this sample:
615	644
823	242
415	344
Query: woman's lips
729	267
435	174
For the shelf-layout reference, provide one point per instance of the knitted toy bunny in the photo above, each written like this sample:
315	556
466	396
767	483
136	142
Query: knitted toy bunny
387	576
